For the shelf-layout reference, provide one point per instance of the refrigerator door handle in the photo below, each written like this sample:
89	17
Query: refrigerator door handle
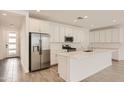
38	48
40	52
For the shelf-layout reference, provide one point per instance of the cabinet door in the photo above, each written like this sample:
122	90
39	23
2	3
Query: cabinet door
79	36
92	36
74	33
115	35
62	66
102	36
97	39
68	31
44	27
62	33
34	25
54	32
108	35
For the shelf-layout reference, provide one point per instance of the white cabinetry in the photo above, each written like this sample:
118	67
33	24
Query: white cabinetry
34	25
108	35
40	26
92	36
44	27
97	39
75	34
105	36
68	31
54	32
62	67
79	36
62	33
116	35
102	36
54	49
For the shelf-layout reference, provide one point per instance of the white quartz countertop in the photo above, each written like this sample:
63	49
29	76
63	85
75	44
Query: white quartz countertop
84	54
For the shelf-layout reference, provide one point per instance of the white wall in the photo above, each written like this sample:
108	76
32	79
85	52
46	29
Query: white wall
24	46
1	45
121	50
3	40
24	40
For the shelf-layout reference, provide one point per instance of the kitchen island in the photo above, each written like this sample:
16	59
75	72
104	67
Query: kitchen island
78	65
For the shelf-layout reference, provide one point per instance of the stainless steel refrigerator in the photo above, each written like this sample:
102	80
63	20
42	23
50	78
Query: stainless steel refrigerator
39	51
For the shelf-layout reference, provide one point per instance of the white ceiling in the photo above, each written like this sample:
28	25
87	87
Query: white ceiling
98	18
10	19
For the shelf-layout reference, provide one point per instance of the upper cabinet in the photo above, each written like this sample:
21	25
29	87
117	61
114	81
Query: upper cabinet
92	36
97	38
56	31
44	26
40	26
62	33
106	35
116	35
34	25
102	36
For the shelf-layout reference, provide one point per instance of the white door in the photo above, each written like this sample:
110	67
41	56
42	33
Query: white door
11	44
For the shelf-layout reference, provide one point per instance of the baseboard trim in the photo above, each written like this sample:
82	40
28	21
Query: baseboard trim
53	65
115	60
24	69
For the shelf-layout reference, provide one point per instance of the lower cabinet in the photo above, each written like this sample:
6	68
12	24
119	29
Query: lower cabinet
62	67
54	49
115	55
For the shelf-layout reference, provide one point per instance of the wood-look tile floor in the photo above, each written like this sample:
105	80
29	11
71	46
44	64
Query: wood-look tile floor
11	71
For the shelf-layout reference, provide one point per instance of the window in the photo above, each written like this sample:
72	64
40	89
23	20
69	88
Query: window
12	34
12	40
12	43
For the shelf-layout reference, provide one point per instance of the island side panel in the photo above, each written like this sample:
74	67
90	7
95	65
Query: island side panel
62	66
85	67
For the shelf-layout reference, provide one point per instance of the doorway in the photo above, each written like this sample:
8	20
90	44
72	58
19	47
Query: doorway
12	44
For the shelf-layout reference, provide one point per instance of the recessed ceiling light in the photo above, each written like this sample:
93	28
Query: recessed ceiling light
80	18
38	10
92	25
4	14
113	20
85	16
75	20
12	25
